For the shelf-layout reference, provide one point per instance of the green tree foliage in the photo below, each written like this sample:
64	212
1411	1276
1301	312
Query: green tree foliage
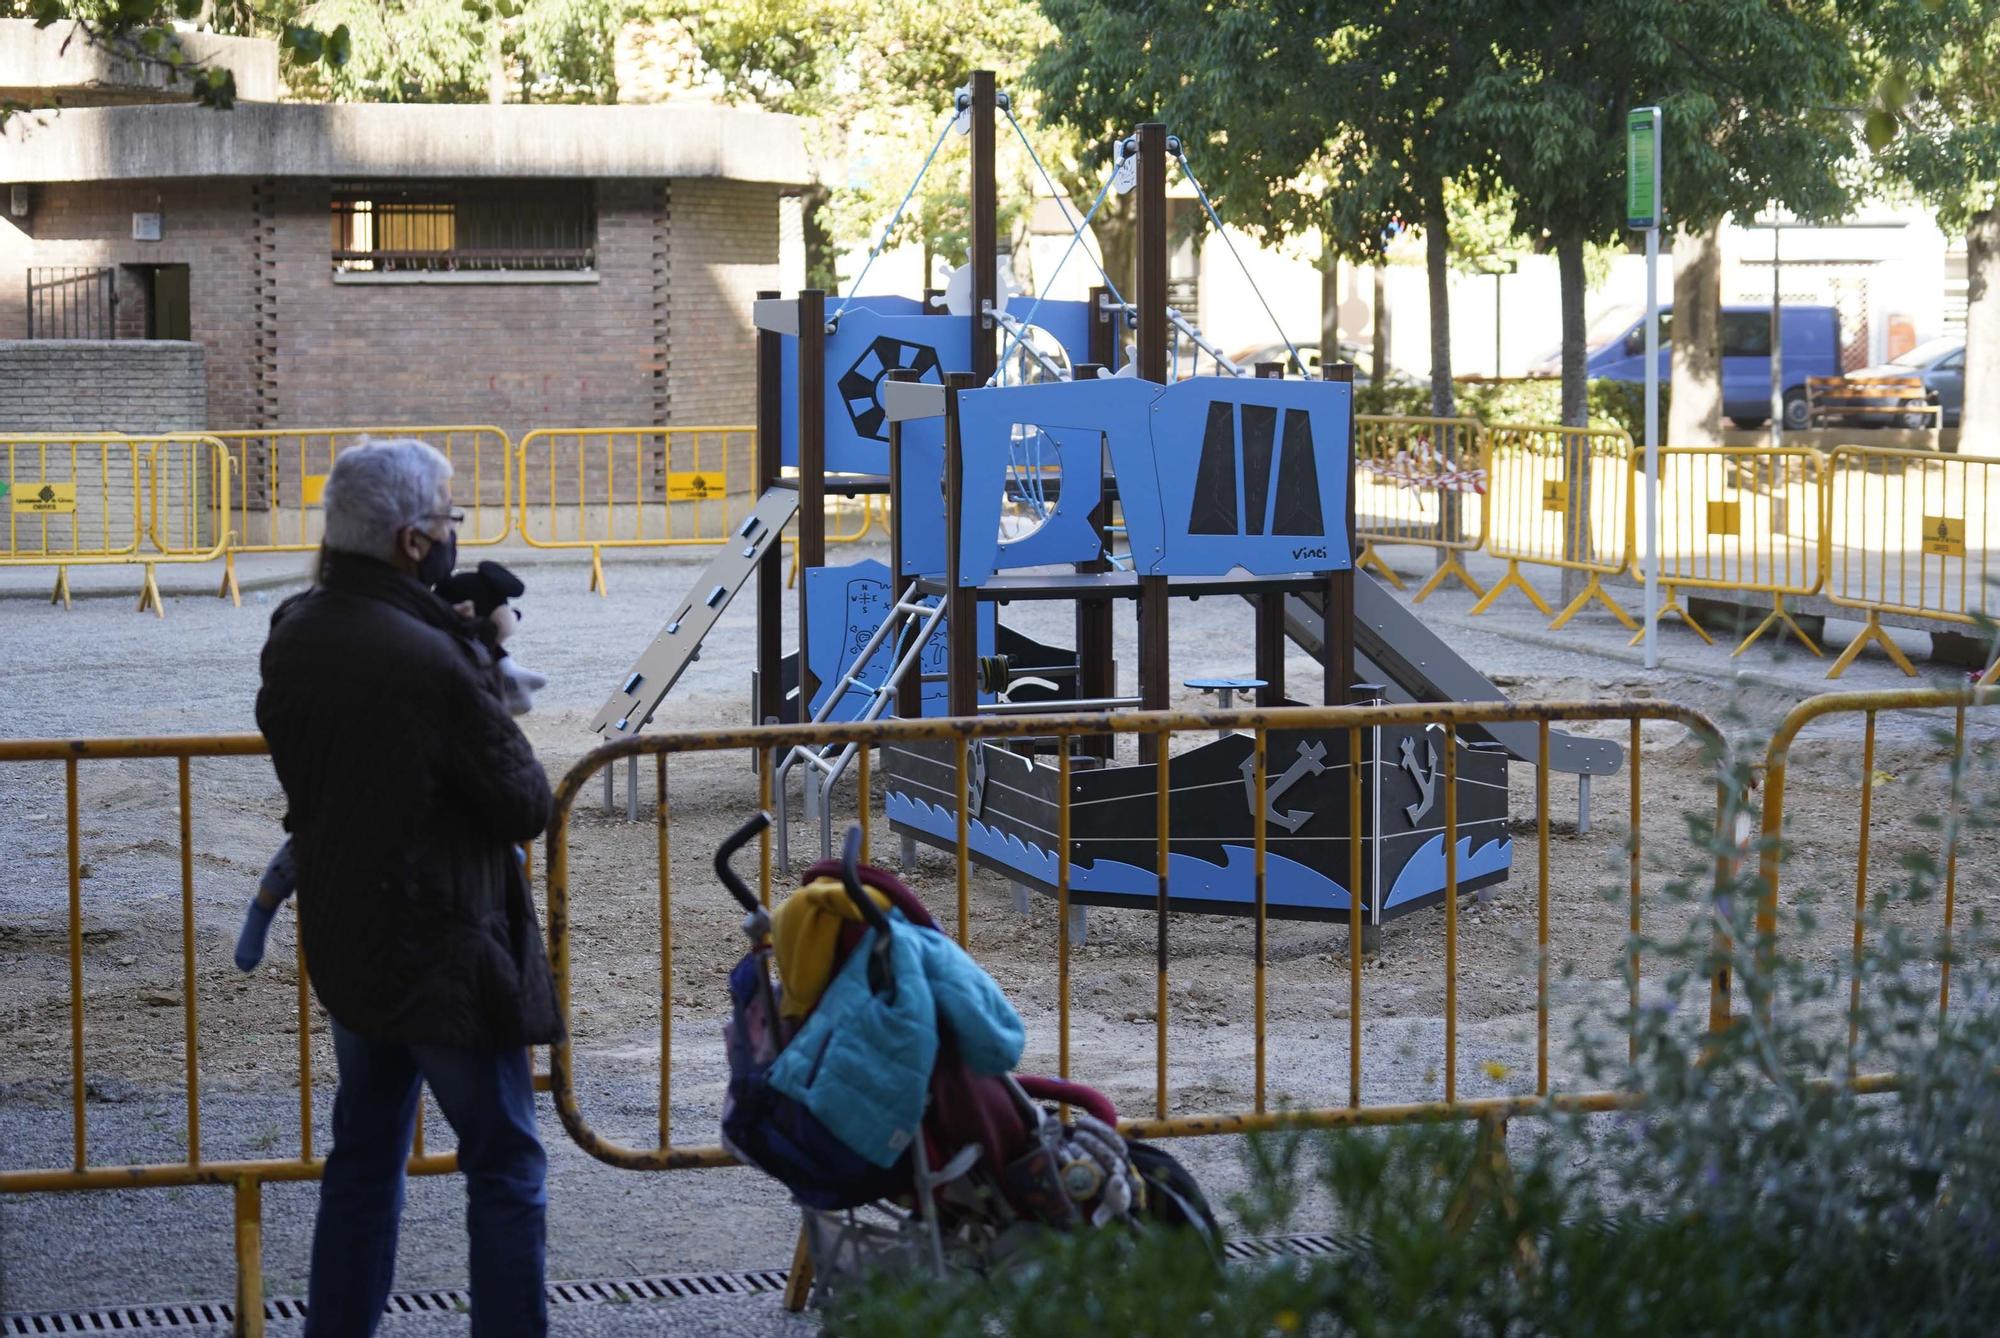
1331	117
875	80
1754	103
1935	120
147	32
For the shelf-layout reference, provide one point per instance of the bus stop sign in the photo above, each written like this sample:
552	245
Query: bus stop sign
1642	168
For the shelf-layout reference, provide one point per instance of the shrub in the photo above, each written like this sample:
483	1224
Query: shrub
1611	403
1753	1189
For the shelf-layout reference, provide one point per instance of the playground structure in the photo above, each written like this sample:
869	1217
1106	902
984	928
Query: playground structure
1226	484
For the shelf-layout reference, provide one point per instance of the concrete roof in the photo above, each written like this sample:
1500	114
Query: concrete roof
407	140
60	65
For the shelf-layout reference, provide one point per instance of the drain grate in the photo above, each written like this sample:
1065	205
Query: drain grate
449	1300
1304	1245
433	1301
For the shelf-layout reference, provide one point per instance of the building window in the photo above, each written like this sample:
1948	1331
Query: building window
464	228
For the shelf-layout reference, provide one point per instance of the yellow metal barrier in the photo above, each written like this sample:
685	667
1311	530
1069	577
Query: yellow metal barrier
1058	735
279	473
633	487
101	499
1559	497
88	1169
1740	518
1954	822
1421	481
860	514
1908	532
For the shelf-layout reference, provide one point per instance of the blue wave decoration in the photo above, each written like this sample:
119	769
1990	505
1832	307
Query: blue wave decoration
1423	874
1287	882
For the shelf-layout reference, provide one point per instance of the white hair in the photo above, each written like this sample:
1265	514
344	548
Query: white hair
378	488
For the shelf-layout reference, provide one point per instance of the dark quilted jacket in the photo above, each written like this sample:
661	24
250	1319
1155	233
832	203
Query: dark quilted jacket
408	785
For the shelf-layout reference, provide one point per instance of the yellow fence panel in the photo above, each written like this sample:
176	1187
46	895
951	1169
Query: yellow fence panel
633	487
280	473
1420	481
1908	533
1740	518
100	1160
1559	497
71	498
100	499
684	753
188	498
1934	823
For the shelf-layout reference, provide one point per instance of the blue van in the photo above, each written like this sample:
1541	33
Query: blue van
1811	348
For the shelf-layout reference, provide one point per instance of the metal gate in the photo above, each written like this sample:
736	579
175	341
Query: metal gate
72	302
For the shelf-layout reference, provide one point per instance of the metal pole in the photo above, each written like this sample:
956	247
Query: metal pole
1652	444
1777	348
1496	324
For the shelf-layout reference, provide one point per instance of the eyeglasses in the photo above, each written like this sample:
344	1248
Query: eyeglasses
456	518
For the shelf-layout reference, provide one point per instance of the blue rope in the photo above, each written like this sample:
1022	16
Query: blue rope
1223	232
908	195
1076	229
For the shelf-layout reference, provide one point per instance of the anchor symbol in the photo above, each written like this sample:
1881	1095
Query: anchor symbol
1426	782
1311	761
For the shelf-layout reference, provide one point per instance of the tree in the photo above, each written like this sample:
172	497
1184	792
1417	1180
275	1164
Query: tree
145	32
874	81
1331	117
1935	119
1753	99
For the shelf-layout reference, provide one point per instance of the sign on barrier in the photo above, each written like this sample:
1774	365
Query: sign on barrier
1907	532
280	478
633	487
1559	497
1420	481
1744	519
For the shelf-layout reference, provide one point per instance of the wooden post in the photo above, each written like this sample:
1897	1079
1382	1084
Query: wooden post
983	232
1338	645
770	703
812	467
1155	663
1270	633
961	602
910	691
1096	673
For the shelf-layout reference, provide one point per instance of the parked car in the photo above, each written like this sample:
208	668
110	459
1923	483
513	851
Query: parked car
1940	364
1811	348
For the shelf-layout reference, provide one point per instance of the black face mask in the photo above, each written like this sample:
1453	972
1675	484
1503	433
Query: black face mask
439	559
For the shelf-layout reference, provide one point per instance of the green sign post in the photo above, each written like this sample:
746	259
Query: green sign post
1643	209
1642	168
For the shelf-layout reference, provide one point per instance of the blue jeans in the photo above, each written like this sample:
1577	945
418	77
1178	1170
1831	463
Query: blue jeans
488	1097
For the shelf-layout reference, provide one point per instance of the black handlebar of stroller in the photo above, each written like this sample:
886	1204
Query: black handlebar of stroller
737	839
881	976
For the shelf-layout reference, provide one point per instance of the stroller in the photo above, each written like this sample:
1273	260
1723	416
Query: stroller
991	1165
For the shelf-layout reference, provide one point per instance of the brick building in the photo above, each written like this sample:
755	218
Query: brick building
524	266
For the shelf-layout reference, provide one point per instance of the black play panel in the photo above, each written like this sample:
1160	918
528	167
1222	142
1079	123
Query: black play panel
1012	821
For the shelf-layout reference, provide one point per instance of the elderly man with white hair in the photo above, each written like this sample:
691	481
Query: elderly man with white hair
409	786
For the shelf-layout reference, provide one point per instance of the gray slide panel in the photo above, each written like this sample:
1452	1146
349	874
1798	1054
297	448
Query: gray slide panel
663	662
1399	650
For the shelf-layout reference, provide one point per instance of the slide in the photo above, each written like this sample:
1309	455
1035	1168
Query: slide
1394	647
677	644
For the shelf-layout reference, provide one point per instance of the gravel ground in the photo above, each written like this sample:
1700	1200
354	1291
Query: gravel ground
100	669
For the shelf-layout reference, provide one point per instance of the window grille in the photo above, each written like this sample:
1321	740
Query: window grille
472	227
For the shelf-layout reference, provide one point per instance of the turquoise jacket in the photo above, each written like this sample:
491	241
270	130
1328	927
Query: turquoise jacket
862	1062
